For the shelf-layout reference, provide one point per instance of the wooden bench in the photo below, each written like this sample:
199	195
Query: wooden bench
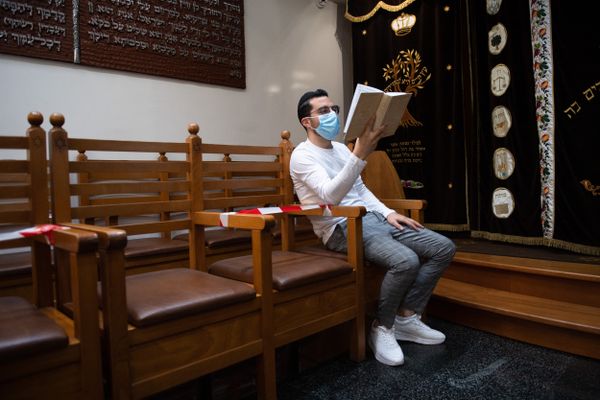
236	177
304	301
23	203
164	327
43	354
141	190
311	293
382	179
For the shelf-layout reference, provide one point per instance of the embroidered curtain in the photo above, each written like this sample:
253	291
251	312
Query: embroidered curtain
428	151
505	173
504	90
576	140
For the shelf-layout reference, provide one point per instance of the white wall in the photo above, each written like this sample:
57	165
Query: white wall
291	47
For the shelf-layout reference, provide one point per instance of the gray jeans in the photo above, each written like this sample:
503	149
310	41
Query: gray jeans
414	260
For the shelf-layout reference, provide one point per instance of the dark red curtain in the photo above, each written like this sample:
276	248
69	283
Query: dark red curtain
429	61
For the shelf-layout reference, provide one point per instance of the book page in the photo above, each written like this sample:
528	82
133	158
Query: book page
365	108
391	111
360	88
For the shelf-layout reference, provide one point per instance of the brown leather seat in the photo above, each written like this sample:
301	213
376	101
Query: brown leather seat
12	264
153	246
172	294
24	330
286	274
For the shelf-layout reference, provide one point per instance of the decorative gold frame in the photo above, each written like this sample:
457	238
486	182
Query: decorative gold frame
379	5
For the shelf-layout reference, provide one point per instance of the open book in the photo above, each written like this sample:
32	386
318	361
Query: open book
388	108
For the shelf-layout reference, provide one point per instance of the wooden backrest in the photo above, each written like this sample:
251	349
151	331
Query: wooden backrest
24	197
147	190
237	177
24	179
381	177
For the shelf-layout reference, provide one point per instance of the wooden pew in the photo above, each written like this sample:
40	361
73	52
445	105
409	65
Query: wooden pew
311	293
165	327
23	203
146	193
44	354
229	183
390	191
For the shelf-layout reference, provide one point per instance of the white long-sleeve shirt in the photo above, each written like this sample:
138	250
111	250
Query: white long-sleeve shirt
331	176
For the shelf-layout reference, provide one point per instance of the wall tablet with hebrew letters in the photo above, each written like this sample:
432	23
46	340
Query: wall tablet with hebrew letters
197	40
37	28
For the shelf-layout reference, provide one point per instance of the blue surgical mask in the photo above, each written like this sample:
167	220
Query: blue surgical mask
329	125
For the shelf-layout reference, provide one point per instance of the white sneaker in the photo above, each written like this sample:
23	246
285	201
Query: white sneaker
383	343
414	330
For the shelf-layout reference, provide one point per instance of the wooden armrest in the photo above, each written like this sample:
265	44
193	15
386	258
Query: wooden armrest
110	238
348	211
405	204
74	240
336	211
242	221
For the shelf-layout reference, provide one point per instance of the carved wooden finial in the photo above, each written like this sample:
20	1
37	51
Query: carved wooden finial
57	120
193	128
285	134
35	118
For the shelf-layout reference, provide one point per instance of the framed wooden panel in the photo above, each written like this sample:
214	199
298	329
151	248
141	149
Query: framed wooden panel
195	40
37	28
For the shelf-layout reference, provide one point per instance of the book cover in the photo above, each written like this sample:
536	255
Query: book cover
388	107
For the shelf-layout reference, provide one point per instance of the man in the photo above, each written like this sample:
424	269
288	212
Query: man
327	172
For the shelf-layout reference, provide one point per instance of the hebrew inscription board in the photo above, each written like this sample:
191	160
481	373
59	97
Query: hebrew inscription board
37	28
198	40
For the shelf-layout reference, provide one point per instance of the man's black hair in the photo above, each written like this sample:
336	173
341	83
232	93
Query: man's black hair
304	107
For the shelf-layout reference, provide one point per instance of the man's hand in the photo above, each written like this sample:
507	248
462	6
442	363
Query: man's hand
367	141
399	221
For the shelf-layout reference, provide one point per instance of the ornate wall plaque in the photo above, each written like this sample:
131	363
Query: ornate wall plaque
497	37
197	40
501	121
200	40
504	163
500	79
503	202
37	28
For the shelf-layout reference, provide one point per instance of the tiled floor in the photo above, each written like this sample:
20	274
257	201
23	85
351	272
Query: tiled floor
469	365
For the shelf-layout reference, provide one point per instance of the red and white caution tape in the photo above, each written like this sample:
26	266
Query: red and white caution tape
224	217
45	229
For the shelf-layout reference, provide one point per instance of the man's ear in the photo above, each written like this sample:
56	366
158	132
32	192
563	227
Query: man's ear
306	123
